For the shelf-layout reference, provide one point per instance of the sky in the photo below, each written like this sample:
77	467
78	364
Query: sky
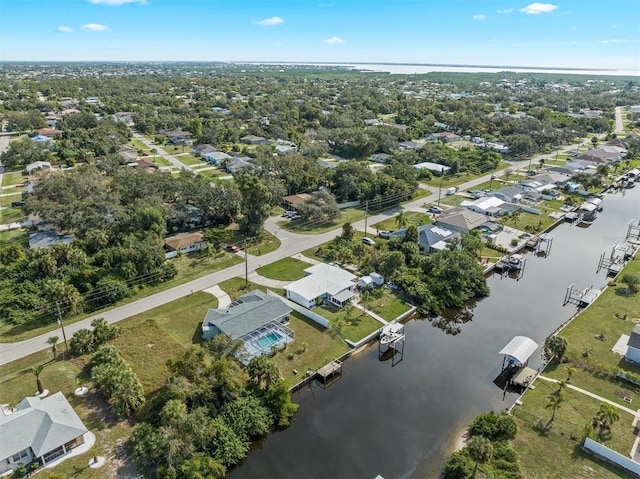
565	33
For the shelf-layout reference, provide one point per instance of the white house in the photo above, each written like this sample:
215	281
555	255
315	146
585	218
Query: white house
633	345
185	242
490	205
325	281
39	430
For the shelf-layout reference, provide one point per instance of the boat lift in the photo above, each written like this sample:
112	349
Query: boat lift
392	338
580	298
633	232
515	369
543	247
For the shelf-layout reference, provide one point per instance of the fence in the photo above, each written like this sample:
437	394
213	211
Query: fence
315	317
612	456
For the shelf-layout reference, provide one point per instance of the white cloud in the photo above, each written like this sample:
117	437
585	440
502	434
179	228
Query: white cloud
506	10
270	22
537	8
117	3
482	16
614	40
94	27
64	29
334	40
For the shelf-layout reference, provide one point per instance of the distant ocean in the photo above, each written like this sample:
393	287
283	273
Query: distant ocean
412	68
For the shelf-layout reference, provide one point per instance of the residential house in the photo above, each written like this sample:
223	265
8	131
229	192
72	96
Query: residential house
411	145
237	163
52	120
253	140
380	157
284	147
633	345
37	165
508	194
214	157
499	147
370	281
372	122
49	132
444	136
432	238
124	116
198	150
294	201
256	318
554	177
331	283
46	239
435	167
441	126
461	220
604	155
185	242
177	137
491	206
45	140
141	164
40	430
128	152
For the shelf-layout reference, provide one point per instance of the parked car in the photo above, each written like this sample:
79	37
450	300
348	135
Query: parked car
368	241
385	234
17	204
232	248
435	209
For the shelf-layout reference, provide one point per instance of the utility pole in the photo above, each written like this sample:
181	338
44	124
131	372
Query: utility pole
440	189
366	216
64	335
246	265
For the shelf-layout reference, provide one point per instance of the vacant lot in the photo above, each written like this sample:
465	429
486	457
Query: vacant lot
287	269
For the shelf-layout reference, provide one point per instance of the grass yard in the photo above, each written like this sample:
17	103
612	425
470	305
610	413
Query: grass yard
13	178
267	244
353	326
387	303
14	236
322	345
287	269
524	220
413	218
173	149
12	215
137	144
350	215
190	160
150	338
235	287
453	200
9	197
552	450
459	178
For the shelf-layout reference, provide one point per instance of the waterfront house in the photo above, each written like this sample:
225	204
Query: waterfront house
325	281
432	238
39	430
461	220
633	345
491	206
257	319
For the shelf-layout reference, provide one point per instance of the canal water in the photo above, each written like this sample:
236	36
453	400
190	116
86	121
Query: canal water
403	421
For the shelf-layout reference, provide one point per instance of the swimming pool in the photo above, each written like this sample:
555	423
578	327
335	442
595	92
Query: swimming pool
268	339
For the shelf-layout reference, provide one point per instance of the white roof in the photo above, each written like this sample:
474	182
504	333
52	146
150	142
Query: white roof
322	278
520	348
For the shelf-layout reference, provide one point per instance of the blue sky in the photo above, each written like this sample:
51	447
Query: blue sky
562	33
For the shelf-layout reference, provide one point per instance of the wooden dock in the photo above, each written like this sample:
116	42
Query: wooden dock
329	370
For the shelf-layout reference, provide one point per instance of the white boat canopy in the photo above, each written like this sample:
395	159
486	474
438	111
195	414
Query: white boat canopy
519	349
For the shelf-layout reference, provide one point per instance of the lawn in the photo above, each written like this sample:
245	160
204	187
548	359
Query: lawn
413	218
350	215
9	197
459	178
13	178
267	244
287	269
351	324
235	287
387	303
189	160
552	450
322	345
138	145
452	200
14	236
12	215
524	220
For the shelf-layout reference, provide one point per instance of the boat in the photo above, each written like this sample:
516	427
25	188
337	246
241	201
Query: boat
511	261
391	333
532	242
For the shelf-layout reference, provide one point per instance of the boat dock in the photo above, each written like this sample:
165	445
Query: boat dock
581	298
330	370
392	338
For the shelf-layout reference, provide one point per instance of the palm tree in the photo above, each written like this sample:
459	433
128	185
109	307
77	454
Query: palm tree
154	152
555	400
607	415
93	450
53	341
480	451
402	220
570	372
36	371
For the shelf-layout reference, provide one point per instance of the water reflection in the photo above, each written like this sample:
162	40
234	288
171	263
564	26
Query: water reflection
451	320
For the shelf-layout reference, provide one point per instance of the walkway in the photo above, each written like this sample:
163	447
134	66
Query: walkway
590	394
371	313
254	277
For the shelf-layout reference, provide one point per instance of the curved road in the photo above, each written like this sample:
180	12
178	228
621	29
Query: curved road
291	244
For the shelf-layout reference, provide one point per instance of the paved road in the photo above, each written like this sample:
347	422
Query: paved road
170	158
619	123
291	244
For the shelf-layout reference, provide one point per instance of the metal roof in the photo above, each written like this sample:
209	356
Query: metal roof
520	348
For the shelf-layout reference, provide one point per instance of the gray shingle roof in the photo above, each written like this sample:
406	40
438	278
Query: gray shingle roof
254	310
634	338
40	424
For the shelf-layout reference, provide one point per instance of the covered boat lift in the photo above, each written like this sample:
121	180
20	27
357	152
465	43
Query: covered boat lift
518	351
